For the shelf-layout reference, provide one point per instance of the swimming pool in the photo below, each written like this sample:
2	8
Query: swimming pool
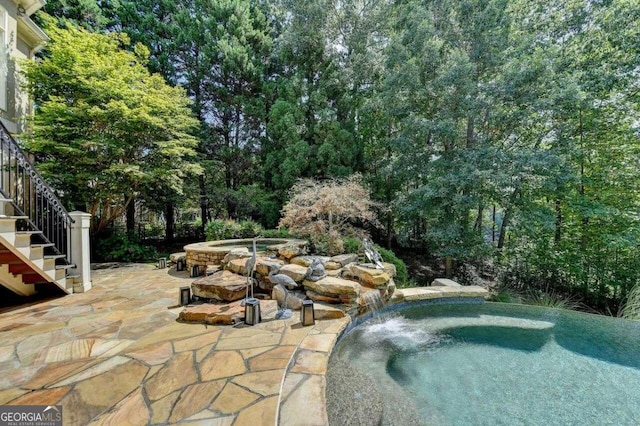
486	364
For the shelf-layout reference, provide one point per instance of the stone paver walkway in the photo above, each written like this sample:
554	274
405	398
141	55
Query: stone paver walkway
116	355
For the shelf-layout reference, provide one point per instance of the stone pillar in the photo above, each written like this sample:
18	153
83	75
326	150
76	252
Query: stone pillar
81	250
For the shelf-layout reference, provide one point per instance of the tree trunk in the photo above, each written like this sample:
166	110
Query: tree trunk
389	224
493	225
448	267
585	220
469	132
478	225
558	233
170	217
131	216
204	207
507	217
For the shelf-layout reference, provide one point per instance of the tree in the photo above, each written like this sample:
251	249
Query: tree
319	71
580	229
219	52
105	130
94	15
326	211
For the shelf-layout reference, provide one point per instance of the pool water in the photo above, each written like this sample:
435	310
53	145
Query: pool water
490	364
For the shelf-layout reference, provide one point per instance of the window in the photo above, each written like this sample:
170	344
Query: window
4	68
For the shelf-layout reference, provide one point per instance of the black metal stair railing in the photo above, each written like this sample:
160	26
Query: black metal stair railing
32	197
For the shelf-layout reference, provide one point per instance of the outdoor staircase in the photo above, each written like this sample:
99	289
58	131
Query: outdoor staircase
34	227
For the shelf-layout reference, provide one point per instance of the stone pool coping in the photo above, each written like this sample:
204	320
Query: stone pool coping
116	355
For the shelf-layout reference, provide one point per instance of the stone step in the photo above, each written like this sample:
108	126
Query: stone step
438	292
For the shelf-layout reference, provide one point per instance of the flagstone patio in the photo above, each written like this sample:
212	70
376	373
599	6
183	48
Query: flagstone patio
116	355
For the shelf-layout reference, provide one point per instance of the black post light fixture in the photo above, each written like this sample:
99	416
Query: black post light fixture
185	295
195	271
180	265
307	314
251	311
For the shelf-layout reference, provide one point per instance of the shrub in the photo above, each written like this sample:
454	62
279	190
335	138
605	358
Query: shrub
505	294
551	299
229	229
352	245
277	233
188	230
325	211
119	247
401	267
328	244
248	229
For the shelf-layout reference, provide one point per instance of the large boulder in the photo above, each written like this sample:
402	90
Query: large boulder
390	269
345	291
227	313
332	266
322	311
213	314
306	260
334	272
345	259
445	282
236	253
295	272
265	265
237	265
222	285
391	288
367	275
288	251
335	300
174	257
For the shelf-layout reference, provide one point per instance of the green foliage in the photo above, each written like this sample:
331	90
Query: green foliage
188	229
409	283
401	268
277	233
505	294
118	247
92	15
105	130
352	245
230	229
152	230
490	130
330	244
550	299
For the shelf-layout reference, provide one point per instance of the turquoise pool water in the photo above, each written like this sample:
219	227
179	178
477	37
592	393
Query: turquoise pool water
487	364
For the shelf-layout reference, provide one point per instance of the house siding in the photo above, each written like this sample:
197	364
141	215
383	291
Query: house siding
18	46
